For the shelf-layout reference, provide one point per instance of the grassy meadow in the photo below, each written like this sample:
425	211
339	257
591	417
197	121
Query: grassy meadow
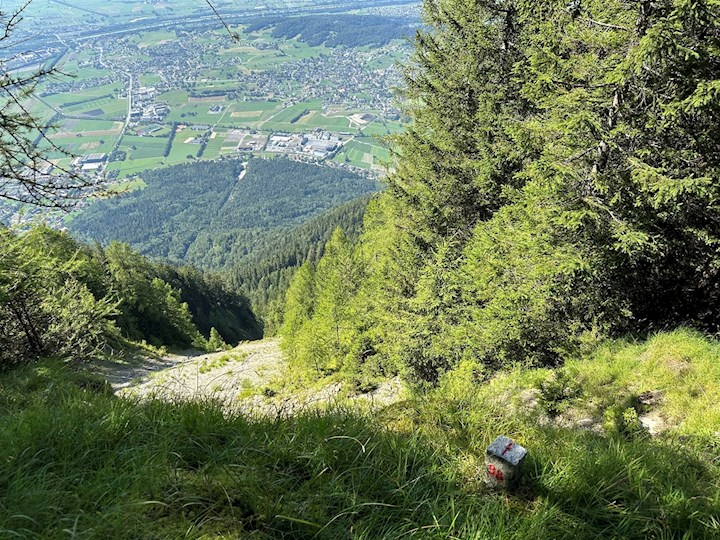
77	461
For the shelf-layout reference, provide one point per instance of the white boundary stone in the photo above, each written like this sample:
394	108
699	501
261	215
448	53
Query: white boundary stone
503	463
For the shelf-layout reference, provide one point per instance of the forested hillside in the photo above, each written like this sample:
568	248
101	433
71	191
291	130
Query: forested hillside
543	264
559	185
338	29
62	298
265	275
206	215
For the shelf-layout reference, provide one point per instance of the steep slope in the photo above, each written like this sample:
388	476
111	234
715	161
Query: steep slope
265	274
209	215
77	458
559	184
61	298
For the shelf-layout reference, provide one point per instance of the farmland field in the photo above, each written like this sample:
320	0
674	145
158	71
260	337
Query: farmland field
206	86
364	152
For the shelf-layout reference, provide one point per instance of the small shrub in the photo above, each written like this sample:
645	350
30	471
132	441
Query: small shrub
556	393
623	422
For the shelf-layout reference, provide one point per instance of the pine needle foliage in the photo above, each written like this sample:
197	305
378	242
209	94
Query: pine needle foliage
560	183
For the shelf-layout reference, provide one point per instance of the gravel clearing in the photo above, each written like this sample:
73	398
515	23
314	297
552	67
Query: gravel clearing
238	379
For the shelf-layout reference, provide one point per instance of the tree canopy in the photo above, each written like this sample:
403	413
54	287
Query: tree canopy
559	183
204	214
62	298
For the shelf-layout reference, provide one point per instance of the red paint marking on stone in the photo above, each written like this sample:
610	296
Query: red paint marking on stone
493	471
507	449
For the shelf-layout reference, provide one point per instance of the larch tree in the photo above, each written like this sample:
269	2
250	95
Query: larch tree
27	174
560	183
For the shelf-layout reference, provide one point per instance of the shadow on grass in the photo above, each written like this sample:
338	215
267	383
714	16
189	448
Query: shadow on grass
85	464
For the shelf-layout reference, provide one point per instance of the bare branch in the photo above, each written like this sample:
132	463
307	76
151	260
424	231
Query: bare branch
27	175
606	25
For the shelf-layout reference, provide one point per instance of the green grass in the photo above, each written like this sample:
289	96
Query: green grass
681	364
80	145
283	120
127	187
174	98
74	70
195	113
383	128
78	462
147	39
214	148
364	152
95	91
256	106
209	365
40	110
143	147
79	126
135	166
180	150
150	79
111	108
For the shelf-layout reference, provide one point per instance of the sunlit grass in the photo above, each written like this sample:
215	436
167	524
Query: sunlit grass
78	462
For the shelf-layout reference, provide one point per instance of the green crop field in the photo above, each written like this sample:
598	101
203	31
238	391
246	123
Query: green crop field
181	150
143	147
84	72
363	152
195	113
41	110
102	106
111	108
382	128
174	98
257	106
147	39
293	119
214	148
218	146
130	168
150	79
74	125
78	145
252	80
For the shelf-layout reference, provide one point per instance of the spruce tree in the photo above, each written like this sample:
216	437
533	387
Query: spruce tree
299	308
559	183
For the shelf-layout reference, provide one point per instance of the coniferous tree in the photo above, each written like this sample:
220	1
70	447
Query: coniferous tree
299	309
216	342
559	183
335	282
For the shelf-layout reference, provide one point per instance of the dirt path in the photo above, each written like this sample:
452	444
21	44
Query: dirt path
222	375
242	379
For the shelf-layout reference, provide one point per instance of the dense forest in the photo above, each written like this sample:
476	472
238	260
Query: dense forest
62	298
265	275
337	30
205	214
559	185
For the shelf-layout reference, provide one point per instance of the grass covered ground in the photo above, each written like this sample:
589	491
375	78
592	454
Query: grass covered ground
78	462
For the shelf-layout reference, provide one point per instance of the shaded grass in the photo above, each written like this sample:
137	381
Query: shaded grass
682	367
78	462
